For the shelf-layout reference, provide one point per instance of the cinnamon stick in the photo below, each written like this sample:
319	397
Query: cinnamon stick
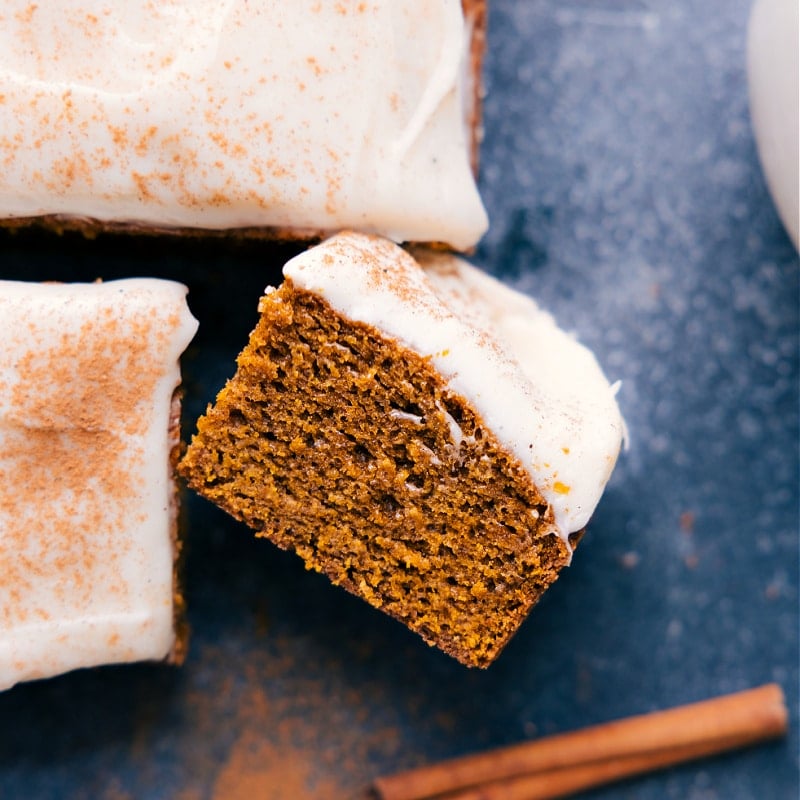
560	783
559	765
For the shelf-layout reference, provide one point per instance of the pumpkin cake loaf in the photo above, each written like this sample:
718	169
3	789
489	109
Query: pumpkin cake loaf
245	117
421	434
89	433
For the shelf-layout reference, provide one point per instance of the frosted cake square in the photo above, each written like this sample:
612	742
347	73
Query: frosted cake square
89	432
260	118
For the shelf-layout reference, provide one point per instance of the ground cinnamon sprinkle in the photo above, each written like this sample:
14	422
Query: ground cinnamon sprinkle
76	413
67	445
255	768
289	735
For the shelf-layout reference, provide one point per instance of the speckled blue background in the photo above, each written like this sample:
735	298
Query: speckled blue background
621	178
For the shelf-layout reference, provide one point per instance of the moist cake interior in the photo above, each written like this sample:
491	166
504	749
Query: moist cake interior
337	443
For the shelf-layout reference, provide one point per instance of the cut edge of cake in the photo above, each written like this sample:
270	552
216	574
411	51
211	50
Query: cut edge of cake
392	498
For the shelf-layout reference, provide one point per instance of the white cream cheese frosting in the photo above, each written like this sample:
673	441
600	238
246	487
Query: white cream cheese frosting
87	376
540	392
309	114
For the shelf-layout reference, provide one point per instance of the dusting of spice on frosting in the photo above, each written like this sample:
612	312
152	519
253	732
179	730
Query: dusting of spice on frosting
87	374
179	114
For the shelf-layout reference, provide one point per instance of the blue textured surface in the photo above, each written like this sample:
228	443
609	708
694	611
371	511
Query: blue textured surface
622	182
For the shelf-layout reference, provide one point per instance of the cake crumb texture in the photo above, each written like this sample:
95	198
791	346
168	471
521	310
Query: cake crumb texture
335	442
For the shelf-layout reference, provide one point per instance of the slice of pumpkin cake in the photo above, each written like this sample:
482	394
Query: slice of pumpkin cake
426	437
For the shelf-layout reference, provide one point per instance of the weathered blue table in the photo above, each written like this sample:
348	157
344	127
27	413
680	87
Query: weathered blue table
624	190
